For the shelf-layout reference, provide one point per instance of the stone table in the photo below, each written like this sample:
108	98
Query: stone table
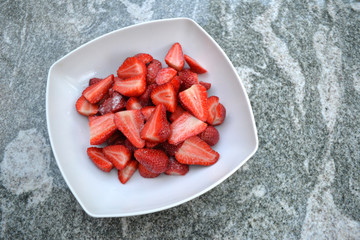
300	63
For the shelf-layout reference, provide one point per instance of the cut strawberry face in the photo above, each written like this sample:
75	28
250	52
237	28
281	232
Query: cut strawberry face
184	127
131	67
194	99
176	168
177	113
206	85
195	151
165	75
118	155
194	65
175	57
125	174
176	81
144	57
85	108
133	103
216	111
101	128
130	123
210	135
98	158
157	128
165	94
112	104
131	87
188	78
154	160
147	111
97	91
146	173
152	70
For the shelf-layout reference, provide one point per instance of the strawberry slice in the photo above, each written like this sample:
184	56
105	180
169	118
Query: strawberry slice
131	87
146	173
184	127
176	81
131	67
194	65
92	81
175	57
195	151
144	57
147	111
125	174
101	128
119	155
152	70
97	91
130	123
85	108
169	148
165	94
133	103
165	75
210	135
157	128
177	113
176	168
154	160
216	111
188	78
194	99
112	104
145	99
206	85
98	158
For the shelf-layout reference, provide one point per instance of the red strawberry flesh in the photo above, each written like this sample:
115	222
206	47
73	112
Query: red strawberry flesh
101	128
154	160
119	155
194	99
98	158
130	123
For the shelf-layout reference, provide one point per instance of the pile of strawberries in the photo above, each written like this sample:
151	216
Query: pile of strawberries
155	119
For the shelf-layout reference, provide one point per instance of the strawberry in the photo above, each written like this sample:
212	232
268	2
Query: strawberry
154	160
144	57
101	128
96	155
175	58
195	151
176	168
210	135
188	78
131	87
206	85
184	127
177	113
130	123
216	111
194	65
133	103
147	111
149	144
146	173
116	137
129	145
112	104
169	148
119	155
96	92
152	70
144	98
194	99
166	95
92	81
157	128
85	108
131	67
125	174
176	83
165	75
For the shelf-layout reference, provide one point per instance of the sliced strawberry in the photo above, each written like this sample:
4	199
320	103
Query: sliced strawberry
152	70
176	168
92	81
98	158
210	135
112	104
131	87
151	144
131	67
145	99
144	57
170	149
154	160
194	65
194	99
101	128
146	173
184	127
125	174
116	137
176	81
165	75
206	85
130	146
177	113
165	94
188	78
119	155
133	103
96	92
85	108
195	151
216	111
157	128
147	111
130	123
175	57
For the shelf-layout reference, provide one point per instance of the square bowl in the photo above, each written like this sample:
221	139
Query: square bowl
101	194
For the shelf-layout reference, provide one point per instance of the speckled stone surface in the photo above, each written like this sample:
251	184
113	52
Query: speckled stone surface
300	63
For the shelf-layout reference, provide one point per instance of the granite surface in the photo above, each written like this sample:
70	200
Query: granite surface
300	63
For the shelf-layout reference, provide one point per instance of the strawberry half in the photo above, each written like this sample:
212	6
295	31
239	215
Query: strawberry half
119	155
165	75
97	91
195	151
146	173
206	85
194	65
144	57
133	103
210	135
101	128
131	67
125	174
177	113
112	104
216	111
184	127
130	123
188	78
194	99
152	70
92	81
98	158
157	128
147	111
176	81
131	87
176	168
175	57
165	94
85	108
154	160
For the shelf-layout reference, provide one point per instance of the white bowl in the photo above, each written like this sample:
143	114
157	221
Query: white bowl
101	194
